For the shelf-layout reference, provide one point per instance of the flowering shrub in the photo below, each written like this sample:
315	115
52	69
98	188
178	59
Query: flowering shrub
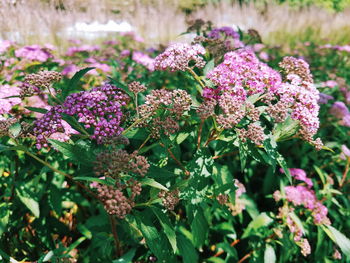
181	155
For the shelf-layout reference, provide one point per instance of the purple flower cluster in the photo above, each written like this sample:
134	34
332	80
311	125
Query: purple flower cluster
230	36
98	108
178	56
34	53
143	59
341	111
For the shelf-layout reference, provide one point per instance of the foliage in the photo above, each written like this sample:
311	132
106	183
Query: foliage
184	173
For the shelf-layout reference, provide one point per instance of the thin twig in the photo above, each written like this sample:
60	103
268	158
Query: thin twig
196	77
62	173
144	143
200	134
187	173
235	242
118	249
224	155
345	173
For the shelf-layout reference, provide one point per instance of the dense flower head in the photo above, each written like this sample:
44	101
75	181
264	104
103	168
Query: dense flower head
173	103
137	87
230	37
99	108
43	79
48	124
113	163
178	56
5	45
169	198
324	98
5	124
300	175
6	103
341	111
115	199
143	59
242	74
34	53
298	67
303	196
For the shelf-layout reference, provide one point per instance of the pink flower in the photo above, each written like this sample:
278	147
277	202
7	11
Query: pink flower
6	104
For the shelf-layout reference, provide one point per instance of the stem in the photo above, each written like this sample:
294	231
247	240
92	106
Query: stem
224	155
144	143
345	172
200	134
235	242
136	106
196	77
135	123
62	173
187	173
118	251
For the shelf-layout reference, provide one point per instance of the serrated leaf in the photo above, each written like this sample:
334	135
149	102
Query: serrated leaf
208	67
30	203
153	183
269	255
199	228
15	129
73	82
339	238
55	199
168	229
127	258
261	220
4	217
187	250
73	151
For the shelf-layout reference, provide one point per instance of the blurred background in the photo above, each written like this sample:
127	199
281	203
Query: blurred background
280	22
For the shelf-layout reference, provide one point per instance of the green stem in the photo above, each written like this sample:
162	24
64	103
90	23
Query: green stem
61	173
135	123
196	77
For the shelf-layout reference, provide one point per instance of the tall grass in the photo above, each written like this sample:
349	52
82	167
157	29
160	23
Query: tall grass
162	21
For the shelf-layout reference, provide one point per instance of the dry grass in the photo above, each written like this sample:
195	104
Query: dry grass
161	21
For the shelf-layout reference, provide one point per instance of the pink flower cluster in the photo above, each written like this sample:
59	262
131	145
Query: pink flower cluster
6	104
178	56
242	74
143	59
229	35
303	196
300	175
35	53
341	111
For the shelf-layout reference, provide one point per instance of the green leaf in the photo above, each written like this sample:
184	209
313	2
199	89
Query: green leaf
285	130
39	110
55	199
153	183
4	217
181	137
187	250
85	231
30	203
199	227
155	240
243	149
282	162
208	67
73	151
73	83
127	258
261	220
269	255
339	238
15	129
167	227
